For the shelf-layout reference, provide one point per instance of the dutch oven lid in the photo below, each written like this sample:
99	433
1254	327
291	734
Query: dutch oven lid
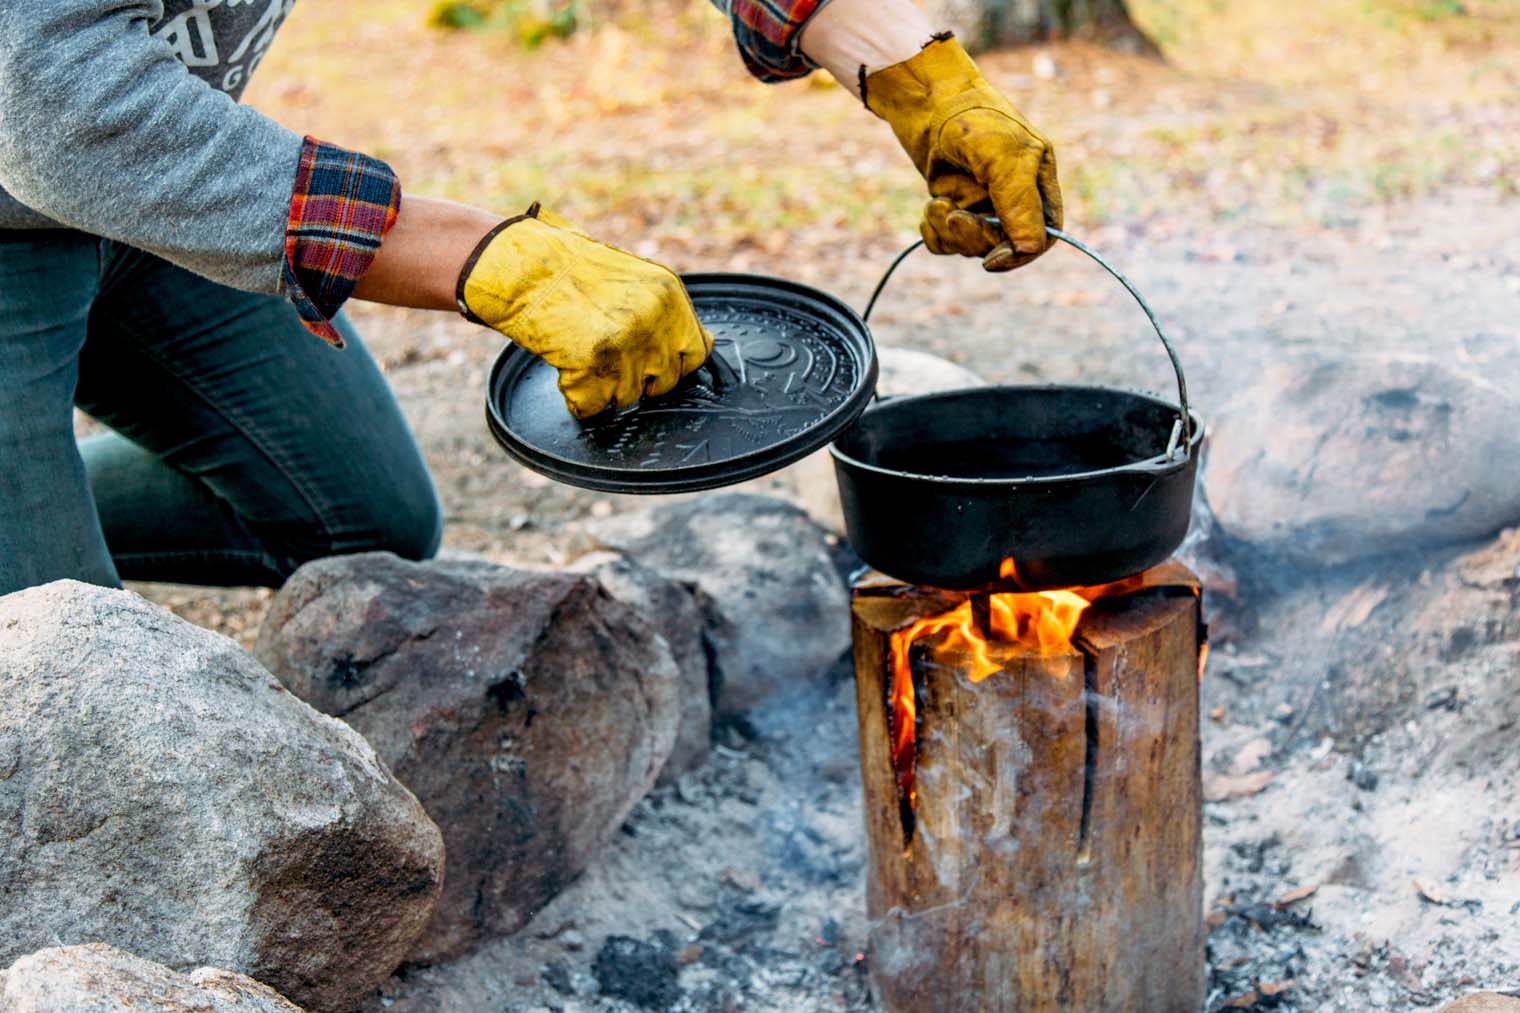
792	368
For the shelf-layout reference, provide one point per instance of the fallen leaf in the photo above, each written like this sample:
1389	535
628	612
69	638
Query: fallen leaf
1432	891
1271	988
1296	895
1243	1001
1250	756
1217	715
744	879
1352	610
1223	787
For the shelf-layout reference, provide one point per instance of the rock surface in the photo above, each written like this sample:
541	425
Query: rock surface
908	371
1323	462
777	611
903	372
96	978
1483	1002
529	711
671	608
169	797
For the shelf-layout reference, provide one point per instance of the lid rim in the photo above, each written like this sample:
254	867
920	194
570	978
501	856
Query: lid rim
841	325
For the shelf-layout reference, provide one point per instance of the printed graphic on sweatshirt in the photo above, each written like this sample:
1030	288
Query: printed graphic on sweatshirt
221	41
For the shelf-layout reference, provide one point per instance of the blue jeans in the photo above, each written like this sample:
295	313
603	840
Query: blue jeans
241	446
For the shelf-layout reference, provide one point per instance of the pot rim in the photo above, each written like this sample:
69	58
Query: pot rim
1157	466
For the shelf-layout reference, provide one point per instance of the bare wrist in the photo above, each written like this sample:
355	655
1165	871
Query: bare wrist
847	35
418	263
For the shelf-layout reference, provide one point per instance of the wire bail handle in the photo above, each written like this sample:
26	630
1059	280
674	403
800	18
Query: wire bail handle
1182	430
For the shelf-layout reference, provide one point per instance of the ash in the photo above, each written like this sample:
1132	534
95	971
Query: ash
1360	735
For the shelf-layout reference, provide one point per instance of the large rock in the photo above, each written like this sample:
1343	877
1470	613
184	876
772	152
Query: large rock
162	793
672	609
904	372
96	978
1322	462
1483	1002
777	611
907	371
528	711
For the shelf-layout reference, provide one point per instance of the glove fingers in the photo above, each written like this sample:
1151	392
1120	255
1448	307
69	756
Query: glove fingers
636	379
687	357
585	394
1016	197
947	228
1050	191
972	234
933	227
1006	258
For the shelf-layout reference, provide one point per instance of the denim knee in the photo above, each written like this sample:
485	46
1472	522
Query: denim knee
415	531
403	518
407	519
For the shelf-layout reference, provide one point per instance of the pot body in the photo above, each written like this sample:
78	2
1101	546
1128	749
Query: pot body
1072	483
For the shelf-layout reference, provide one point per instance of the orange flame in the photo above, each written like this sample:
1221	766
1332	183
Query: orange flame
1040	622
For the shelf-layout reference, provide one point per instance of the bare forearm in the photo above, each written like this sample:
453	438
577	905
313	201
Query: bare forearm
419	262
849	34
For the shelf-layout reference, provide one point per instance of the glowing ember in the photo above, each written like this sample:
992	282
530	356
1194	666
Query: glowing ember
1040	622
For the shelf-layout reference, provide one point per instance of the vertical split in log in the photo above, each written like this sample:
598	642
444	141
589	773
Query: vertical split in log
1052	859
1090	763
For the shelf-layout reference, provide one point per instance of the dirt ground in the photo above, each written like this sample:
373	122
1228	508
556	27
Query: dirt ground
1278	186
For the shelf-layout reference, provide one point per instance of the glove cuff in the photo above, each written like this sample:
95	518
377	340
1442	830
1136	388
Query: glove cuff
474	258
916	96
942	67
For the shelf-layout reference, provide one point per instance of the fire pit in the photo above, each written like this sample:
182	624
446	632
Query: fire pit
1032	797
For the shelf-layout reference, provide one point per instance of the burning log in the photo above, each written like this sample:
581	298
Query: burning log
1032	795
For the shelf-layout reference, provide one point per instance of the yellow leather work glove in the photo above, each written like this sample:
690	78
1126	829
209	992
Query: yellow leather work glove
975	150
616	327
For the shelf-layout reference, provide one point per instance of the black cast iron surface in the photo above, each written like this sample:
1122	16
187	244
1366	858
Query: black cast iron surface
1072	483
794	368
1076	485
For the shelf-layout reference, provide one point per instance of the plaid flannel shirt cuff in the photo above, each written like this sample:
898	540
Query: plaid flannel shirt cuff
342	205
769	33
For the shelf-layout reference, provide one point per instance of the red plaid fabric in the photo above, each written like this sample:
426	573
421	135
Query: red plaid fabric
342	205
767	32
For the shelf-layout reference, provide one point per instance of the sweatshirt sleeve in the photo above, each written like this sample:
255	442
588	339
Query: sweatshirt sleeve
102	129
768	33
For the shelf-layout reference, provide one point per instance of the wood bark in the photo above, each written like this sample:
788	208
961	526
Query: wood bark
984	24
1053	861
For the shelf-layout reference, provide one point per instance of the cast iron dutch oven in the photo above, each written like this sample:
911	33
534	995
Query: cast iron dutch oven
1078	485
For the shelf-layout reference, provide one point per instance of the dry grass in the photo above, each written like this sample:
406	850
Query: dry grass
645	125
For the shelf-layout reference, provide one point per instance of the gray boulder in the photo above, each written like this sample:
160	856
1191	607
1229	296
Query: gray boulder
528	711
164	794
96	978
907	371
1322	462
671	608
777	610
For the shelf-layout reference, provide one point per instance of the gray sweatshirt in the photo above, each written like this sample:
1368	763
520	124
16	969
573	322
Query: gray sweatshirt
102	130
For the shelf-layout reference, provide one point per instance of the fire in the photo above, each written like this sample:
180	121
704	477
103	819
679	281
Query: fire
1040	622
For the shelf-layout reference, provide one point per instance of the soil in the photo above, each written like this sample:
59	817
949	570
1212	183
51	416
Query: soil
1372	856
